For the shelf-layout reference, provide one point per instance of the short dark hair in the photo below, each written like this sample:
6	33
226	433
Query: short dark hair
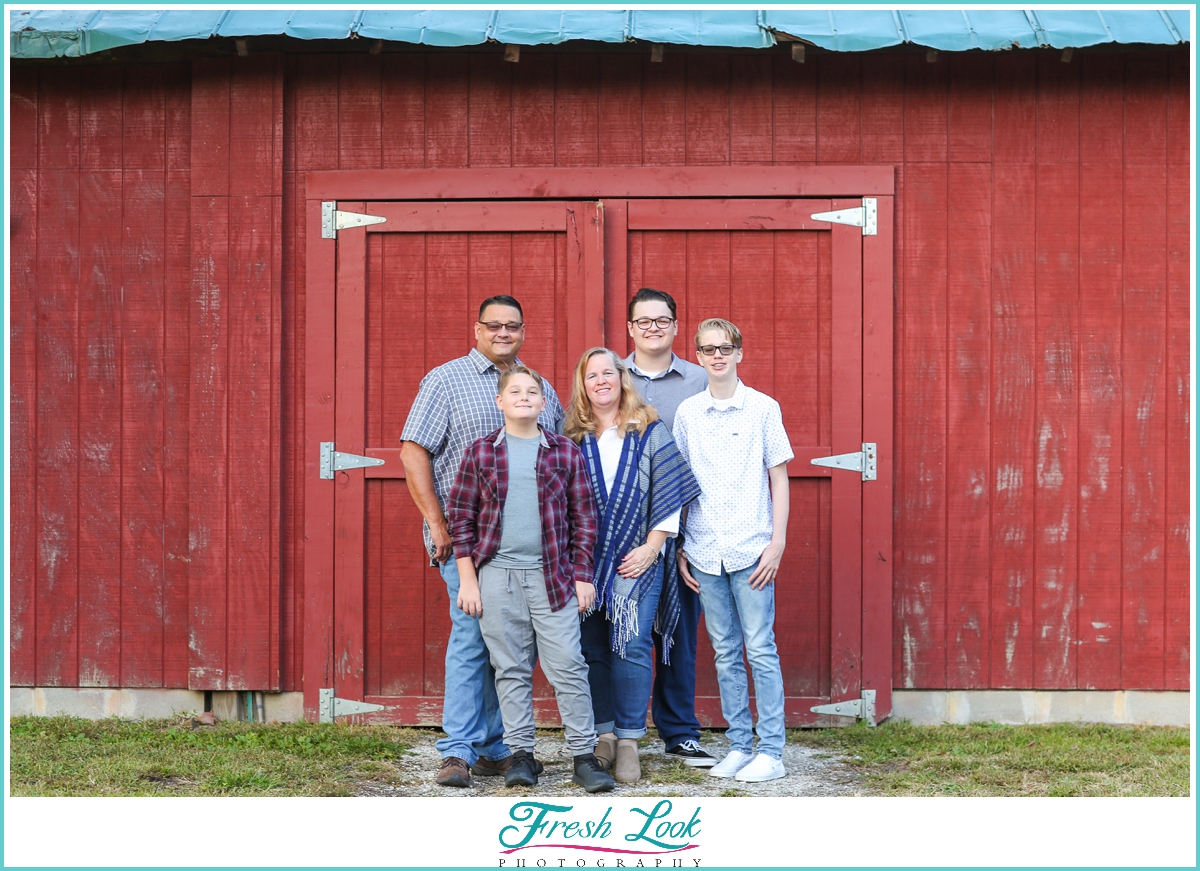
649	294
500	299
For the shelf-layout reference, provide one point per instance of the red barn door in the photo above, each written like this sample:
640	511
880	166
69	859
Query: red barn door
813	300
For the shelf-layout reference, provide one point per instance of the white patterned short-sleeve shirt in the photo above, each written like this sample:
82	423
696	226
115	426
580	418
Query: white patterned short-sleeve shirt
730	451
455	405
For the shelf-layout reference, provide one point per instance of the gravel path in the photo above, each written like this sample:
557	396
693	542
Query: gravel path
810	773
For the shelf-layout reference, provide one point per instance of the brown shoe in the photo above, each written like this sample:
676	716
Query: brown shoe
485	767
606	749
454	772
628	767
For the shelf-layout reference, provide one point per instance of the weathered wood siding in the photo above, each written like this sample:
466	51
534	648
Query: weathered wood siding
1043	377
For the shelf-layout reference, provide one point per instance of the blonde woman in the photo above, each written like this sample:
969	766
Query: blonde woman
641	483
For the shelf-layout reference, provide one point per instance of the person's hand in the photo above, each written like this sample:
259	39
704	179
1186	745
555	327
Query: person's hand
470	601
685	572
768	566
440	534
586	594
637	561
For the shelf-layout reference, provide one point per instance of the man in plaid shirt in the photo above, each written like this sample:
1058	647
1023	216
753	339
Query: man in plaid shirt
524	525
455	405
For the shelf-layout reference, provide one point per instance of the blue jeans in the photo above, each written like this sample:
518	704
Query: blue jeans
673	703
736	614
621	687
470	709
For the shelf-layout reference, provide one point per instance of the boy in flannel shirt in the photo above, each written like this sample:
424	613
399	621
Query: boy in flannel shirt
524	526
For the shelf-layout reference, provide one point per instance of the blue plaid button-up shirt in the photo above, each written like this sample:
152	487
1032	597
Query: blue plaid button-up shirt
455	405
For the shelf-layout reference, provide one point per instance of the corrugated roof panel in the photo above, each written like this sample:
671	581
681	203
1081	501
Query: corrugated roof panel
537	28
995	29
179	24
1129	26
76	32
700	27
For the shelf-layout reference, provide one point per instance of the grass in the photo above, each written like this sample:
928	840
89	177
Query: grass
986	759
65	756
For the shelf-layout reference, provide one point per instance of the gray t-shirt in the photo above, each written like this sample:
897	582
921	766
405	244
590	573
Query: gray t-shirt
521	524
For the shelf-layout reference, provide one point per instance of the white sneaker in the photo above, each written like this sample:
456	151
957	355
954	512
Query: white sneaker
761	768
731	764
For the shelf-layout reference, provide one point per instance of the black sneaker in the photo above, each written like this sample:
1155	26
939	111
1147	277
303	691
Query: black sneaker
523	770
691	753
590	774
485	767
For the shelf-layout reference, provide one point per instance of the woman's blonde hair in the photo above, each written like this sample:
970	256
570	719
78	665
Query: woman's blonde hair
634	415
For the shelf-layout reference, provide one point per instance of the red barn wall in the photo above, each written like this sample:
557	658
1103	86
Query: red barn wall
1042	325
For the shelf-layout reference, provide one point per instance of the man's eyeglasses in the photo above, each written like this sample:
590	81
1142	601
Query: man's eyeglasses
726	350
497	326
644	324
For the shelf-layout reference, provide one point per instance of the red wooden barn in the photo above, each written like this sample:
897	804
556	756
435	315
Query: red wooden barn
995	326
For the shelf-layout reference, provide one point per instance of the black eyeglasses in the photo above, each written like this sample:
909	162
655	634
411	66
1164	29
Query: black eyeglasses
497	326
709	350
644	324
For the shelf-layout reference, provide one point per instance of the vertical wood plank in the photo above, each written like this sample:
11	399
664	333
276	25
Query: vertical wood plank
254	133
707	107
176	368
403	109
750	118
489	110
921	482
878	422
795	111
969	107
839	108
620	111
211	105
1179	113
23	356
57	392
925	110
616	276
1177	635
143	118
664	122
1013	471
349	489
1056	397
319	311
533	101
883	112
101	121
968	377
446	96
1015	112
360	116
316	113
577	111
1144	365
208	470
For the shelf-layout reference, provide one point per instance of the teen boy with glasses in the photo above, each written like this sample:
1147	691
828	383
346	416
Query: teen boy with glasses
733	438
664	380
455	405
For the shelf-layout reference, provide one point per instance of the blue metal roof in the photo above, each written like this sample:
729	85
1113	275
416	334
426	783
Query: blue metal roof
73	33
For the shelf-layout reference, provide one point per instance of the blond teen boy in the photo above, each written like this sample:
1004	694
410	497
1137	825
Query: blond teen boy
523	523
733	438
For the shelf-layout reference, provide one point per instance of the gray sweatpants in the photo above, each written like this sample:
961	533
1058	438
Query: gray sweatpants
516	613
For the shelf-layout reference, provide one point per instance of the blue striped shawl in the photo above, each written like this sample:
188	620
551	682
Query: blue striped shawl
653	481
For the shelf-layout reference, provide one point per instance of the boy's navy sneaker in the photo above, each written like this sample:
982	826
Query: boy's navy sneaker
485	767
590	774
691	753
523	770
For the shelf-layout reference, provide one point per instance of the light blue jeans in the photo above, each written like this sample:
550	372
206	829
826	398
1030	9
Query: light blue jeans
470	709
735	615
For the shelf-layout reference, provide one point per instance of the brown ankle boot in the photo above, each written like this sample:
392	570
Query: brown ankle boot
606	749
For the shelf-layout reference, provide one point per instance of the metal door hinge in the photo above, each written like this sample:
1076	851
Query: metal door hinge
864	216
335	461
331	707
332	220
863	461
862	708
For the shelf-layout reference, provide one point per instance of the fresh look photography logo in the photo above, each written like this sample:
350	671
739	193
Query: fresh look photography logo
636	838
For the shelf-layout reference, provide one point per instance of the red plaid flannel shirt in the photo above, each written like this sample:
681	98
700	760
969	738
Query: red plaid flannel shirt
565	502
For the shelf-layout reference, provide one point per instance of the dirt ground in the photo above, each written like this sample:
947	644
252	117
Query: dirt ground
810	773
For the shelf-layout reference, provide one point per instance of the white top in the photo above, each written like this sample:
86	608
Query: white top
729	451
609	444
